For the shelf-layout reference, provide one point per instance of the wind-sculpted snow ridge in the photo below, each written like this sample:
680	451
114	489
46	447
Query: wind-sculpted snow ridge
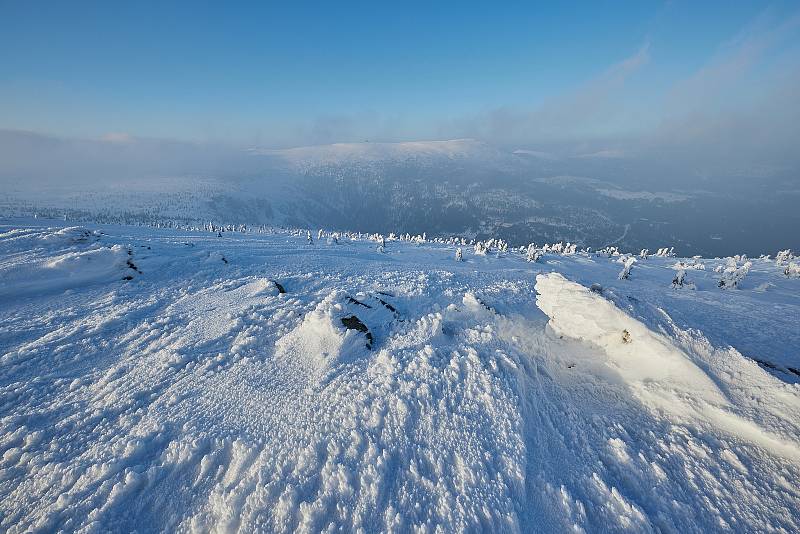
79	262
258	383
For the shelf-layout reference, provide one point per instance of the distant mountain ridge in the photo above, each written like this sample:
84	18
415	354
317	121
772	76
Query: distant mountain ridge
461	187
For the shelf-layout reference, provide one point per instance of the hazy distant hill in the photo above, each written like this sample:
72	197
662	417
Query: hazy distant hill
458	187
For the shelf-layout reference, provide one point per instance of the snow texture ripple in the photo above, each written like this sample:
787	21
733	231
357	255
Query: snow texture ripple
156	380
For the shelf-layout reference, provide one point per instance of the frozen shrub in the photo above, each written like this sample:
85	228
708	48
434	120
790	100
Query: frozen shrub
694	265
732	274
626	270
665	252
459	254
792	270
532	254
783	256
680	277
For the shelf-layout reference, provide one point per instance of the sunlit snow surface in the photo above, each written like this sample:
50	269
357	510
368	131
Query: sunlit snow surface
156	380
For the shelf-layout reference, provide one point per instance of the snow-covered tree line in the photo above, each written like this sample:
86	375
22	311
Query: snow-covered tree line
731	274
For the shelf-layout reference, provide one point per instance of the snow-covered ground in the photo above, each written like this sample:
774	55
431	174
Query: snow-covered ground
157	380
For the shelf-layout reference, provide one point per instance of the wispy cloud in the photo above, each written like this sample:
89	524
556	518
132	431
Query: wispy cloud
737	115
117	137
714	84
742	108
586	109
32	160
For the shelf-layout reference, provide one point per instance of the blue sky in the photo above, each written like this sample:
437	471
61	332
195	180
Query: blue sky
291	73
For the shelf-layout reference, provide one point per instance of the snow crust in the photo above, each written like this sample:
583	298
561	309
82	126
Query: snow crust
661	375
75	264
494	394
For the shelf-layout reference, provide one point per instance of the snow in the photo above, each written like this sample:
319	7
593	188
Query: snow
75	264
374	152
658	373
191	393
664	196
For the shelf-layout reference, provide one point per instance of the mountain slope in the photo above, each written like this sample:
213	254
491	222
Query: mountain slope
254	382
458	187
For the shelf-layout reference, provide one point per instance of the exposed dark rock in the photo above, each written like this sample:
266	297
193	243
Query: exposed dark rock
133	266
358	302
767	364
354	323
280	287
387	305
486	306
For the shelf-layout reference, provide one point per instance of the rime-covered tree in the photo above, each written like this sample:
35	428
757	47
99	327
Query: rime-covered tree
732	274
627	266
532	254
679	279
783	256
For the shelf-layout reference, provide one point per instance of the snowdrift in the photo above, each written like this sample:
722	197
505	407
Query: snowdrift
661	375
254	382
55	260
